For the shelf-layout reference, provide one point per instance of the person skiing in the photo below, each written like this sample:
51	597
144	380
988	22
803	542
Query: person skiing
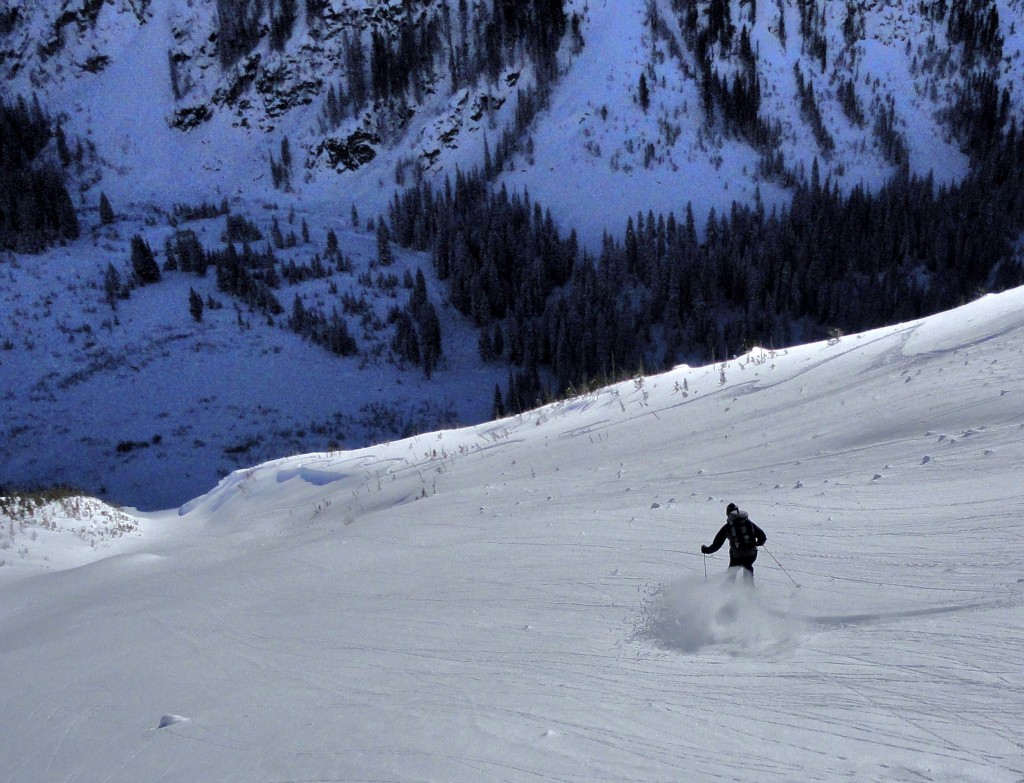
744	539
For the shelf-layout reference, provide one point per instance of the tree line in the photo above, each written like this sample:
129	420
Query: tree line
254	276
671	291
396	63
35	206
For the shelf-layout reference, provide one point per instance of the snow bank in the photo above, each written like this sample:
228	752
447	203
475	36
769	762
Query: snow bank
56	532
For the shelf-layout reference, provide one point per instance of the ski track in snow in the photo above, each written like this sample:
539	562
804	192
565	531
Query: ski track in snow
525	600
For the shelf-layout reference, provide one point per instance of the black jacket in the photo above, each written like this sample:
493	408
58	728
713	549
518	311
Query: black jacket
733	531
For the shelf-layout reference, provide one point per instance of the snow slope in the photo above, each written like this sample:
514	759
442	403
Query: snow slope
525	600
145	407
596	131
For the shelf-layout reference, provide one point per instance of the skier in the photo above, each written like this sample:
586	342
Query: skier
744	539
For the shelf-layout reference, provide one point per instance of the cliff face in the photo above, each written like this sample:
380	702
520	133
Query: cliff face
648	103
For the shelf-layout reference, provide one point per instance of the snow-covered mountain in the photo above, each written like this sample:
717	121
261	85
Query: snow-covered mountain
315	114
525	599
187	99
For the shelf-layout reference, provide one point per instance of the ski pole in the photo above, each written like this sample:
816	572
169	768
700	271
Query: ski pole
773	557
705	568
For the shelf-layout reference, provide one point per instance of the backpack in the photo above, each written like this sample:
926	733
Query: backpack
741	532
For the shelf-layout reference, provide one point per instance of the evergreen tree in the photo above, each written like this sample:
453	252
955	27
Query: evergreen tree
195	305
35	206
498	406
63	151
405	343
143	263
331	248
498	341
106	211
112	287
238	29
355	70
385	257
275	234
298	319
286	159
184	251
644	93
281	168
430	339
282	22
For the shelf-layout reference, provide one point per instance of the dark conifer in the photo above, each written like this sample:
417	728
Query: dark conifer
195	305
35	207
112	287
143	263
385	257
498	406
106	211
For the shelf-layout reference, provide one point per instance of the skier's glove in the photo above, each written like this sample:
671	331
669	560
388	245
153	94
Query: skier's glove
703	549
